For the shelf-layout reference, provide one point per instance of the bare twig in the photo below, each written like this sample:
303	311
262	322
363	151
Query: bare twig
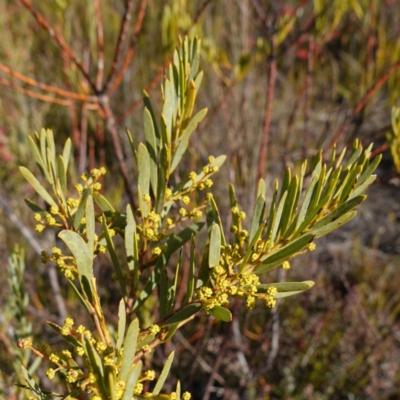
35	95
115	81
100	44
120	43
217	365
362	103
267	117
55	35
48	88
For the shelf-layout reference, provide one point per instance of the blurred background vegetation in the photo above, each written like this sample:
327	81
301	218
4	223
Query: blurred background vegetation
282	81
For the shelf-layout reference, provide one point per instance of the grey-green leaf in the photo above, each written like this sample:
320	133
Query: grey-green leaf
183	314
284	252
215	246
41	191
151	144
164	373
129	349
79	250
221	313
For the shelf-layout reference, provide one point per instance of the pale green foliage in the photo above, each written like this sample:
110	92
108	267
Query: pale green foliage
393	138
304	208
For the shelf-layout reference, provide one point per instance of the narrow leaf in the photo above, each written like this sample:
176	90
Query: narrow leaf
164	373
215	246
133	377
258	216
121	324
151	145
323	230
79	249
114	258
221	313
183	314
284	252
41	191
129	349
90	224
184	141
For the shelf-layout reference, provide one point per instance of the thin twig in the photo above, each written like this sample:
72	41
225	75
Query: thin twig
267	117
48	88
114	82
217	365
121	40
36	246
58	38
83	140
362	103
35	95
100	44
199	12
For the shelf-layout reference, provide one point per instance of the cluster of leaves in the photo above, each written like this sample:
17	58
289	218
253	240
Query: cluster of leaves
107	365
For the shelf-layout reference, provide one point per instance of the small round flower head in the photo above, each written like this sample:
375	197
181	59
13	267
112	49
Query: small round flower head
100	346
54	210
250	302
156	251
54	358
66	354
211	159
50	373
186	396
102	249
95	173
97	186
69	322
197	213
312	246
80	329
208	183
37	217
72	376
173	396
182	212
79	351
169	221
149	233
286	265
243	233
186	200
192	175
209	196
79	187
154	329
69	274
146	197
138	389
235	210
84	177
150	375
111	232
39	228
